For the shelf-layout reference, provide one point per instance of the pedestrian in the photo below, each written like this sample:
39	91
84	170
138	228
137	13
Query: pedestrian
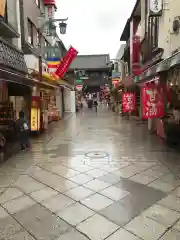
23	129
95	104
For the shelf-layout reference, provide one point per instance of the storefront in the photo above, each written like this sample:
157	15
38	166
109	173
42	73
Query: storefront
168	74
15	89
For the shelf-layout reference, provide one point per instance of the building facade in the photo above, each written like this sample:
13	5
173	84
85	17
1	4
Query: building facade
94	71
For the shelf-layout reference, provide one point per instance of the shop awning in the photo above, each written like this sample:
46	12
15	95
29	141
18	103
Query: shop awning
162	66
65	84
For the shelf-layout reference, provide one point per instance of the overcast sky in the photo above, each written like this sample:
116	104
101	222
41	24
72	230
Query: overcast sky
94	26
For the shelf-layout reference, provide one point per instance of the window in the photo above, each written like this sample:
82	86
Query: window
38	38
30	32
153	28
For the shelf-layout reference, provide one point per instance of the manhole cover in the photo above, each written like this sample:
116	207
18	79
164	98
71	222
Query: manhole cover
96	154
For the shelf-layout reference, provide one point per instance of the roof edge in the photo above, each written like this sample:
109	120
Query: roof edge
127	25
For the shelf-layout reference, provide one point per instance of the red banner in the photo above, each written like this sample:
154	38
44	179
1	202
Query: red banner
152	101
136	64
128	102
66	62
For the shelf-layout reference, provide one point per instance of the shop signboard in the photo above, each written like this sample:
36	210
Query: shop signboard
78	81
152	101
2	7
136	56
35	114
66	62
128	102
155	7
79	87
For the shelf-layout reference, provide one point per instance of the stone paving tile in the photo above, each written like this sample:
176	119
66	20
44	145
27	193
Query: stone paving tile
110	178
28	184
34	212
171	235
43	194
10	194
97	202
41	222
96	185
96	173
64	171
1	190
75	214
163	186
57	203
20	236
79	193
127	171
143	179
3	213
114	193
171	201
73	234
81	168
18	204
140	198
9	227
163	215
122	234
97	227
176	192
81	178
146	228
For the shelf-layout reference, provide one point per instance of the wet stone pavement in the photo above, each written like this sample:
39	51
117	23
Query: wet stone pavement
96	177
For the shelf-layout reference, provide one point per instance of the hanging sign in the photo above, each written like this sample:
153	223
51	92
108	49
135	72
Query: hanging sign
153	101
66	62
128	102
155	7
136	54
79	87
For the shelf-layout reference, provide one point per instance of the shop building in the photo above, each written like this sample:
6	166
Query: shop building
158	48
92	70
15	90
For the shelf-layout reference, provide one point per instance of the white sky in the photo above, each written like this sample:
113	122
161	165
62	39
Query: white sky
94	26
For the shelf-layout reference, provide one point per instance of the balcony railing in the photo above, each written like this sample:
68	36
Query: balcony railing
11	57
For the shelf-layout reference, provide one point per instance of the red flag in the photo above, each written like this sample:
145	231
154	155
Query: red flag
66	62
153	101
128	102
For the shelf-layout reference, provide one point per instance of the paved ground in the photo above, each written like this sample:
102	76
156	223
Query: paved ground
95	177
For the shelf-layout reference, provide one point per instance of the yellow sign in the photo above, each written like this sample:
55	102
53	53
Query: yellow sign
35	119
2	7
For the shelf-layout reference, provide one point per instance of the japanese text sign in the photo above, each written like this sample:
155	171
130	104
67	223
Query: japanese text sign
128	102
152	101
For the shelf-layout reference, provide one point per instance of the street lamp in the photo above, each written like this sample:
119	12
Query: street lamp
62	27
41	25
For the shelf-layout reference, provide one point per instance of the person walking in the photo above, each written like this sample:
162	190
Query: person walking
95	104
23	129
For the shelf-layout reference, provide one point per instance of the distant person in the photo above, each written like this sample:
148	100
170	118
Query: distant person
95	104
23	129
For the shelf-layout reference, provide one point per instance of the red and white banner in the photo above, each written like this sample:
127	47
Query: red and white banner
128	102
152	101
66	62
136	65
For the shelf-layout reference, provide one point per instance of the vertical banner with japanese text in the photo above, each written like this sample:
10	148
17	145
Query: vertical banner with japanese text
66	62
153	101
128	102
